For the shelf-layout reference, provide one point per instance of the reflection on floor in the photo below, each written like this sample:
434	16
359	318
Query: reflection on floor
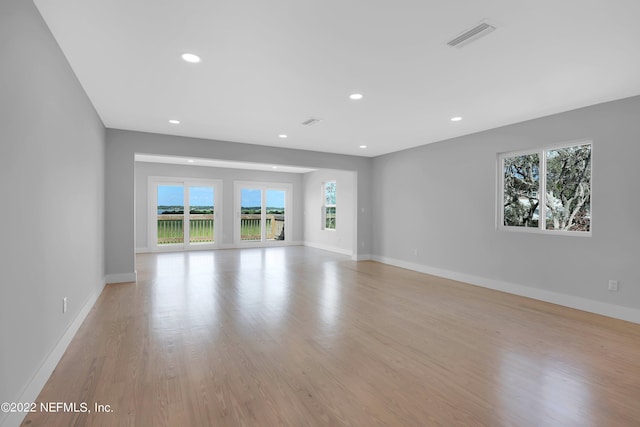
302	337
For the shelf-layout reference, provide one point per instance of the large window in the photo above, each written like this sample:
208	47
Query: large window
182	213
262	212
329	205
547	190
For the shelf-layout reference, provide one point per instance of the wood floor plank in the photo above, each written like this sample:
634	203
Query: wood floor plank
301	337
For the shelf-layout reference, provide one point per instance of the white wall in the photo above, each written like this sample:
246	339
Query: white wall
341	239
441	200
52	184
144	170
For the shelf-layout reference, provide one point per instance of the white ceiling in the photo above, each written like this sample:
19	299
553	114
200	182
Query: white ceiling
269	65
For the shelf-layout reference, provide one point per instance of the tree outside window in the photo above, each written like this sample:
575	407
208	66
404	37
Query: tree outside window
561	202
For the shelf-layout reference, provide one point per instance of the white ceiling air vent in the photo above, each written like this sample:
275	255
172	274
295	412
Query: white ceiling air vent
471	35
311	121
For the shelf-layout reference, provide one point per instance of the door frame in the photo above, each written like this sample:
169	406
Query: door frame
288	213
152	213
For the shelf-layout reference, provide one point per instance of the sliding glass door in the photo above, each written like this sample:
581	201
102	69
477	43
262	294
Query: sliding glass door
183	214
201	215
261	212
251	214
170	214
275	209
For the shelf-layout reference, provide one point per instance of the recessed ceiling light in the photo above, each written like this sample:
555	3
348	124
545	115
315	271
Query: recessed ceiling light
191	161
363	146
174	122
456	119
355	96
190	57
282	135
274	167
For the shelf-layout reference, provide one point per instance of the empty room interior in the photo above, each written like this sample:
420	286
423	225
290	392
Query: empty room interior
320	213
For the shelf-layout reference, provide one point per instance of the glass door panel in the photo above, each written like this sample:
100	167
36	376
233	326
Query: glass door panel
170	214
250	214
201	214
261	211
275	208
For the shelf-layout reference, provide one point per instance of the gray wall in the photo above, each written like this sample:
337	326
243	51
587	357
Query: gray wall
341	239
52	184
441	200
122	146
144	170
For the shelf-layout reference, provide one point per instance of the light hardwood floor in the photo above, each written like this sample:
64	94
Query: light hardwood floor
301	337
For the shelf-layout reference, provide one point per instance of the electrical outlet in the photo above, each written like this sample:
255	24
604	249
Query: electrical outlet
613	285
64	304
415	252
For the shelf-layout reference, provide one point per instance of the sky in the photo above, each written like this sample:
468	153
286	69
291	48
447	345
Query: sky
251	198
173	195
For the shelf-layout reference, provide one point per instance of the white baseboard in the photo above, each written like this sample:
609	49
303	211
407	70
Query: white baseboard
248	245
363	257
584	304
328	248
121	277
270	244
41	376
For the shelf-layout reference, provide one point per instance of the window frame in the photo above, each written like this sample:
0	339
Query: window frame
542	190
263	187
325	205
152	205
